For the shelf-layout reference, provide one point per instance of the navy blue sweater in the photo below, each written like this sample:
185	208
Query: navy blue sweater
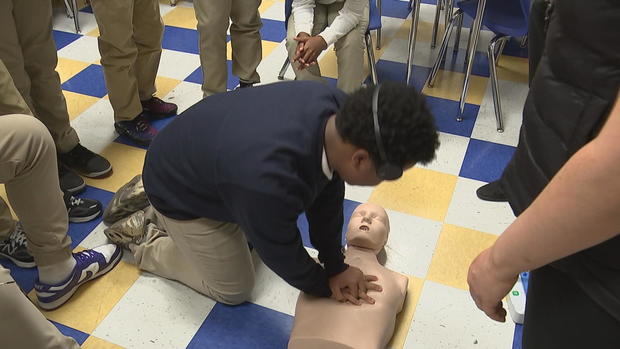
253	157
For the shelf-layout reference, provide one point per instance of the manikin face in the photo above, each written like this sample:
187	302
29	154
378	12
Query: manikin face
369	227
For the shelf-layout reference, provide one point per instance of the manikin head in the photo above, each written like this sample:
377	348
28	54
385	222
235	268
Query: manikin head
368	228
406	128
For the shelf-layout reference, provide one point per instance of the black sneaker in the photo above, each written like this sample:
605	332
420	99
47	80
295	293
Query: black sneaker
82	210
15	248
245	84
70	182
138	130
86	162
492	192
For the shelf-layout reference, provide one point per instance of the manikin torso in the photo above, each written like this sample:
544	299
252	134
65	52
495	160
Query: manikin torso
327	323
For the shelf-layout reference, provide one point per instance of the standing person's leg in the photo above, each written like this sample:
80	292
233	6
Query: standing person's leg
350	51
209	256
26	327
213	19
11	101
313	72
7	223
148	30
33	22
28	170
247	49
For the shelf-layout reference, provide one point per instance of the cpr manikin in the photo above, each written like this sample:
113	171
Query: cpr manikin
326	323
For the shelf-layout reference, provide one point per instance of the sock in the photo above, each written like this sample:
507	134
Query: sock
56	273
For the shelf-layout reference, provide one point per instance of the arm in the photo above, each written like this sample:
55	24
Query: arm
270	224
303	14
578	209
348	18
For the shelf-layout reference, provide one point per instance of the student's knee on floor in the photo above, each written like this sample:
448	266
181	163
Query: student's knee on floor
240	294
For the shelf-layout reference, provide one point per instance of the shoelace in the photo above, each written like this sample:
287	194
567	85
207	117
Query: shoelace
142	125
17	239
75	201
85	256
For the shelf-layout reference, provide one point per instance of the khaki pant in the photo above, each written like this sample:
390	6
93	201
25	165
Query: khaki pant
349	48
209	256
29	53
22	325
213	19
29	172
130	35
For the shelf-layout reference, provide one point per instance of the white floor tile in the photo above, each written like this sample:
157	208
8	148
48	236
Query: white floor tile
411	243
84	49
271	291
63	23
177	65
466	210
185	95
513	97
95	126
275	12
450	154
357	193
155	313
446	317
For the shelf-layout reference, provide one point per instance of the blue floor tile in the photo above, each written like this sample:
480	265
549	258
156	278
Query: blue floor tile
196	77
89	81
63	39
513	48
485	161
445	112
23	277
243	326
455	61
302	222
87	9
180	39
79	336
390	71
273	30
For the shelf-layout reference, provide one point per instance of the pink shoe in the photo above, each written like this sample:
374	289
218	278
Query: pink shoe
158	109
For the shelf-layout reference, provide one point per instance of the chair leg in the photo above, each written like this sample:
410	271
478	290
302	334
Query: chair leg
413	35
287	62
442	51
410	4
68	9
500	48
76	17
371	58
379	29
436	24
449	8
524	41
494	84
468	45
459	28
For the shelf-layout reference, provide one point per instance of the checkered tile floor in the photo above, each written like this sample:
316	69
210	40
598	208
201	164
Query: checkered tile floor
438	224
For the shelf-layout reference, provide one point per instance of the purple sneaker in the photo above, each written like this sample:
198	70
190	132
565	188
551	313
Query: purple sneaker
90	264
158	109
138	130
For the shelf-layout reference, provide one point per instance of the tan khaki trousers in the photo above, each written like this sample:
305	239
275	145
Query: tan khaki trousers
29	172
22	325
130	35
28	51
349	48
209	256
213	19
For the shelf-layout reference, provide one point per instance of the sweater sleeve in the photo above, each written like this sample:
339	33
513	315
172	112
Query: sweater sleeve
303	15
348	18
325	219
270	223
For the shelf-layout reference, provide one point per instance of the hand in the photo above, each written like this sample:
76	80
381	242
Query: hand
312	48
300	45
488	286
351	285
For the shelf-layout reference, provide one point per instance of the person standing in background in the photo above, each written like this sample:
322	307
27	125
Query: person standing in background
214	18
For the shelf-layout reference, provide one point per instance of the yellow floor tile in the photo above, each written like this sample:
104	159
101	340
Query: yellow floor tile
455	250
127	162
165	85
425	32
513	69
420	192
93	301
67	68
267	48
77	103
404	318
329	64
94	32
449	84
183	17
264	6
93	342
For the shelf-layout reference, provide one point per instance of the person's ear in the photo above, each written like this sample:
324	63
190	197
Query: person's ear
361	160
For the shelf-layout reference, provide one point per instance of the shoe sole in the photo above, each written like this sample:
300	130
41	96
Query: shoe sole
157	116
125	134
19	263
60	301
84	219
105	173
76	190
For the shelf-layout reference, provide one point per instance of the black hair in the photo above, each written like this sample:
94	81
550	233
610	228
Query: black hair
407	126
